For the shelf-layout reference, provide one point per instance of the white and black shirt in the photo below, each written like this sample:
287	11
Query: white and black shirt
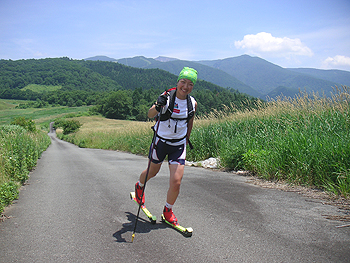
173	128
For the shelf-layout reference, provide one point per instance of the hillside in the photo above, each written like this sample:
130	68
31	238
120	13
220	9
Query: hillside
251	75
115	90
339	76
89	75
80	75
101	58
265	76
206	73
212	75
51	71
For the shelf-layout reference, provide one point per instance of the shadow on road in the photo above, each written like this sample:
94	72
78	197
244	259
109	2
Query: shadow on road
143	226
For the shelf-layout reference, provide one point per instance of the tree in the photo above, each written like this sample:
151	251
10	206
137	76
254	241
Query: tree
142	111
117	106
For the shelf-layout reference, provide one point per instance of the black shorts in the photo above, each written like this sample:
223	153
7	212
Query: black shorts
176	154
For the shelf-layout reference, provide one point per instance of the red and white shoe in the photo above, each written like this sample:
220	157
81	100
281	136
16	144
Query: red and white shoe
138	194
170	217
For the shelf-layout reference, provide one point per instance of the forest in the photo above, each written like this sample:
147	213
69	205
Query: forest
112	89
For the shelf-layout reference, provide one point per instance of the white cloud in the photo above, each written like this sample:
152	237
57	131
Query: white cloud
337	61
265	43
28	47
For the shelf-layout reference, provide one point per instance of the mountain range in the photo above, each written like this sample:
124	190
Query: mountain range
251	75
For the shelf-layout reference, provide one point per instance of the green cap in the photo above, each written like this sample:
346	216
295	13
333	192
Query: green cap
188	73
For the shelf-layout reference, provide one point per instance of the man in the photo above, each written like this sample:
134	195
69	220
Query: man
176	112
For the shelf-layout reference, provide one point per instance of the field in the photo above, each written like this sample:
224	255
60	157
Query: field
303	140
41	116
8	104
102	133
41	88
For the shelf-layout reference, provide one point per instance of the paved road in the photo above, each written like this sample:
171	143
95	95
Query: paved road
76	208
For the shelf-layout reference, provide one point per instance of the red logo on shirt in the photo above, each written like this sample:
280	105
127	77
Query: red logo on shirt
176	108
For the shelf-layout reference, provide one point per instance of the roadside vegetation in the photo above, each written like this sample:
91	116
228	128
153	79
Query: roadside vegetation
21	146
303	140
23	138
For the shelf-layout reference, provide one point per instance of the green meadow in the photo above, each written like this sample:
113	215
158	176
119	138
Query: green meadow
41	88
41	116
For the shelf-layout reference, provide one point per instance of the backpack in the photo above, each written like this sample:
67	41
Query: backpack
167	115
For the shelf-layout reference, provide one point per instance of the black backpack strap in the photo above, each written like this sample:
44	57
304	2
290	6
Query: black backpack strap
169	111
190	144
190	109
166	115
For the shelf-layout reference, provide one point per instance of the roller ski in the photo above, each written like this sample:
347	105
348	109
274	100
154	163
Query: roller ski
151	217
172	221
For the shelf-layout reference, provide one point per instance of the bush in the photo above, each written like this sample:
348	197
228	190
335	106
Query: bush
8	193
71	126
68	126
27	124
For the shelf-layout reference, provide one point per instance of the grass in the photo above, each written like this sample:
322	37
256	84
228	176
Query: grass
9	104
19	148
41	116
19	152
102	133
303	140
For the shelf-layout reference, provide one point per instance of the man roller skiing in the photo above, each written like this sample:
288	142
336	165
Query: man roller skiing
175	110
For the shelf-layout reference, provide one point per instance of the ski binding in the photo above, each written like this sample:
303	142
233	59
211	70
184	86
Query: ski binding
187	232
151	217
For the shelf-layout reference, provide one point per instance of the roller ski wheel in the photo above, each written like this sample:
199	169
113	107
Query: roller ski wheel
186	231
144	209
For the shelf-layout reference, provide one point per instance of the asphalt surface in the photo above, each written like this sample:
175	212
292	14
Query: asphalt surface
76	208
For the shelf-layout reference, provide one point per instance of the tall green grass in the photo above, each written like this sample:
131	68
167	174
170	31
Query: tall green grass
19	152
303	140
20	148
128	136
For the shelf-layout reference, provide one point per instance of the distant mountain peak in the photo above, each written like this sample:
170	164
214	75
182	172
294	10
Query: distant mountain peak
165	59
101	58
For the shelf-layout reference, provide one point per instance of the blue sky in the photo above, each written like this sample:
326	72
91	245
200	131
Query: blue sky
296	33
